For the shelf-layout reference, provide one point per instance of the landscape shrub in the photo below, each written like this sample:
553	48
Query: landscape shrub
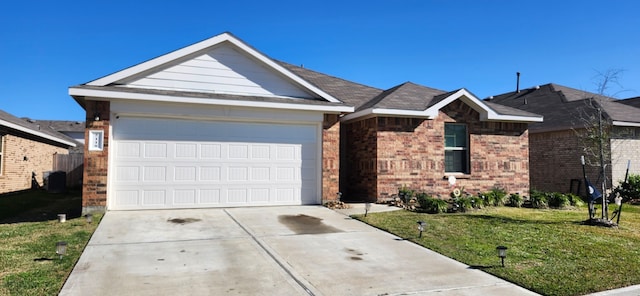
405	194
558	200
629	190
431	205
495	197
463	204
538	199
515	200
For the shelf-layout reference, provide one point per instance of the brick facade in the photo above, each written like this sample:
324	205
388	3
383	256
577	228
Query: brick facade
386	153
555	159
330	157
94	187
22	157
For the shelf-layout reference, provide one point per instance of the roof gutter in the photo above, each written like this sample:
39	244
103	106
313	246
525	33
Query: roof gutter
80	94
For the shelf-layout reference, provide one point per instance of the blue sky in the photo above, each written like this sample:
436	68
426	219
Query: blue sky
47	46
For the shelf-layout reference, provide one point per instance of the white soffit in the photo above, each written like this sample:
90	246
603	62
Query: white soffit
254	74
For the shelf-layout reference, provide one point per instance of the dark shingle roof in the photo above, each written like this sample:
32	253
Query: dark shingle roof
351	93
63	125
406	96
36	129
634	102
562	107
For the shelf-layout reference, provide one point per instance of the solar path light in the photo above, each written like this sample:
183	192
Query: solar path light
61	249
502	253
421	226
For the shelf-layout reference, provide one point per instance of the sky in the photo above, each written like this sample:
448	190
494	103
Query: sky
48	46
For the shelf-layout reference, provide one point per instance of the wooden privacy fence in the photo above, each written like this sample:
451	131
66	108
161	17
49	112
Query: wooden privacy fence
71	164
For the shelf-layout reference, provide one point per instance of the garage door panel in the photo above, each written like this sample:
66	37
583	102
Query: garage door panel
233	164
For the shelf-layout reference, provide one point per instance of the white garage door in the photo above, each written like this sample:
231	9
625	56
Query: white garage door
170	163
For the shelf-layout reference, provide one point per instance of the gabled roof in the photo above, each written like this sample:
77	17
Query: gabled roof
407	99
34	129
412	100
562	106
114	86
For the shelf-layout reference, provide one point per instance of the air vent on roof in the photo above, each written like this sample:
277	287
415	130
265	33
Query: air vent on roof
517	82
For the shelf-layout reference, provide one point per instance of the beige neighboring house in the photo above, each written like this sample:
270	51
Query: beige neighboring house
27	149
554	147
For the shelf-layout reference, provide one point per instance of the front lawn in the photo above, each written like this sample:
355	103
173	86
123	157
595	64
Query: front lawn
549	251
28	261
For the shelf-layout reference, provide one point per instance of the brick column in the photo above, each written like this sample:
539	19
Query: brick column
94	184
330	157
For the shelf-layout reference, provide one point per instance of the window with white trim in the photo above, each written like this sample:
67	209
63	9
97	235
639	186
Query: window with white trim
456	148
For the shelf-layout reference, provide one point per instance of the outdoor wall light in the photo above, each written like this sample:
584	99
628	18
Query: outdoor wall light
96	116
367	208
502	253
421	226
61	248
89	218
339	194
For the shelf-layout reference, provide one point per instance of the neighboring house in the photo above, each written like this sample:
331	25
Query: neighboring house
72	129
554	145
26	152
219	124
634	102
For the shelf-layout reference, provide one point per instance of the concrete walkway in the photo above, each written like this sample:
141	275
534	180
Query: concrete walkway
297	250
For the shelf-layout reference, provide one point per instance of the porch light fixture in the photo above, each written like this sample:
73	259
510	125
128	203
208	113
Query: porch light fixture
96	116
61	249
89	218
367	208
421	226
502	253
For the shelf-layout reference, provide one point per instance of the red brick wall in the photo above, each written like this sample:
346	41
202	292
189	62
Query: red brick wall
94	187
410	152
555	160
359	169
17	171
330	157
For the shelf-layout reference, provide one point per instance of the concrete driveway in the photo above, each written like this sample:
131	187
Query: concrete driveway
297	250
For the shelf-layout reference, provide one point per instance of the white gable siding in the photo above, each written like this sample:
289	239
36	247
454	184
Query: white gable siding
221	70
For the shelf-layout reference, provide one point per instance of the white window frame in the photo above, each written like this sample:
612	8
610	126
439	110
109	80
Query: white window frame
467	160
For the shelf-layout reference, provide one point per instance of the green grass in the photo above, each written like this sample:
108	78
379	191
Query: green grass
28	262
550	251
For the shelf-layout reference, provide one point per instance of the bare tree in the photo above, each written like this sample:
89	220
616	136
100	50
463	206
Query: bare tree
593	127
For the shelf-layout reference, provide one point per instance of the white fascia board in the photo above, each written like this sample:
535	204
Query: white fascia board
110	95
366	113
514	118
626	123
203	45
36	133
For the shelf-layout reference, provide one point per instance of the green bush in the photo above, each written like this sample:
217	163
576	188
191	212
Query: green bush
575	200
463	204
539	200
495	197
558	200
405	194
478	202
515	200
629	190
431	205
